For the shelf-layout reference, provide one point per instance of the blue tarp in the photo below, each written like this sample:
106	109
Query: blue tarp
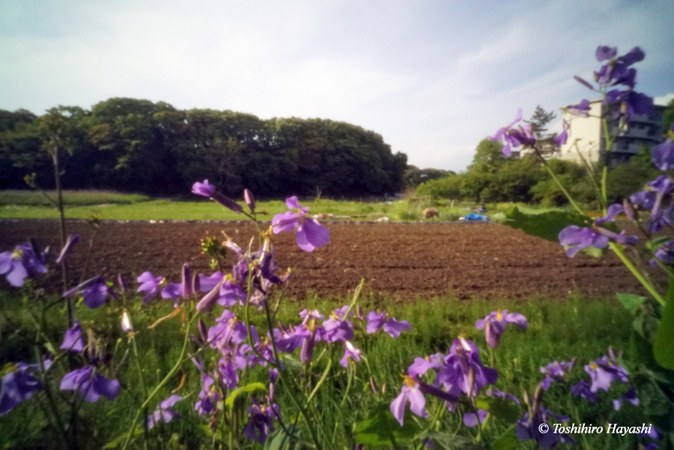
477	217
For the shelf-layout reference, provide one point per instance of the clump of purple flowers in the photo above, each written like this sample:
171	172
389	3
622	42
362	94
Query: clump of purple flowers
23	262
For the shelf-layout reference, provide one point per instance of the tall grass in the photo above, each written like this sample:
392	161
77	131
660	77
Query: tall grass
71	198
558	330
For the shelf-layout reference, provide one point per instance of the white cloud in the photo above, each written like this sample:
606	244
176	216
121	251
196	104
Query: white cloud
664	100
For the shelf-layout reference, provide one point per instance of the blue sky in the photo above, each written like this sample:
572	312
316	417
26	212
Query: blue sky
432	77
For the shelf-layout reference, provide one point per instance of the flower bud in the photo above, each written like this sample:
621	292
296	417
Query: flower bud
72	240
249	199
630	212
123	285
207	303
187	281
127	326
203	331
226	202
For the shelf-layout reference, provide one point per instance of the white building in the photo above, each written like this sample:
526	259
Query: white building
588	133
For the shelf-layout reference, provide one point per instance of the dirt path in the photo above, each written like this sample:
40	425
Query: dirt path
403	260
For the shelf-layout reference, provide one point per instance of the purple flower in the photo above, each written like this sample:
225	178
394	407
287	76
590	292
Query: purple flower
350	351
310	233
150	284
578	238
529	428
644	198
260	422
463	371
581	109
94	292
631	103
663	155
18	385
495	324
509	136
584	389
92	385
164	413
612	211
605	52
249	199
208	283
564	135
629	396
73	338
471	419
556	371
423	365
617	70
21	263
393	327
73	239
307	352
604	371
413	390
208	190
664	253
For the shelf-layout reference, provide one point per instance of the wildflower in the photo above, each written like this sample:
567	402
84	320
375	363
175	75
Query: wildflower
495	324
604	371
581	109
664	253
91	384
612	211
350	351
127	326
413	390
556	371
631	103
576	238
310	233
150	284
629	396
72	240
529	427
564	135
94	292
423	365
208	301
18	385
471	419
509	135
260	422
583	389
73	338
249	199
164	413
659	217
208	283
617	70
208	190
21	263
663	154
393	327
464	371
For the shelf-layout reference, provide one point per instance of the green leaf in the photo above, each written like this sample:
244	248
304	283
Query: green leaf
507	441
500	408
121	438
546	225
279	440
656	243
292	362
631	302
381	428
452	442
251	387
663	347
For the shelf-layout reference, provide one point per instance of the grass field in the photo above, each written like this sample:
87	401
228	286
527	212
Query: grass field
558	330
117	206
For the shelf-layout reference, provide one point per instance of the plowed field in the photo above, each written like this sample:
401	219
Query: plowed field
401	260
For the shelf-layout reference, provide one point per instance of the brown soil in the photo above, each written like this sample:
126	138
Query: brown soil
403	260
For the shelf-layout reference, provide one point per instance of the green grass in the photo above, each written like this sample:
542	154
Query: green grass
558	330
73	198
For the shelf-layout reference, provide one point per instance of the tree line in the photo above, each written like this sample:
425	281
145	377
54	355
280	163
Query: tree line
139	146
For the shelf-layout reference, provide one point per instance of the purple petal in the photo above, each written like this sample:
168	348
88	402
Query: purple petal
517	320
311	235
417	402
394	327
204	189
107	388
398	406
374	322
73	338
73	239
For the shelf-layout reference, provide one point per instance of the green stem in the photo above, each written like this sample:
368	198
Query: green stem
166	379
566	193
649	287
